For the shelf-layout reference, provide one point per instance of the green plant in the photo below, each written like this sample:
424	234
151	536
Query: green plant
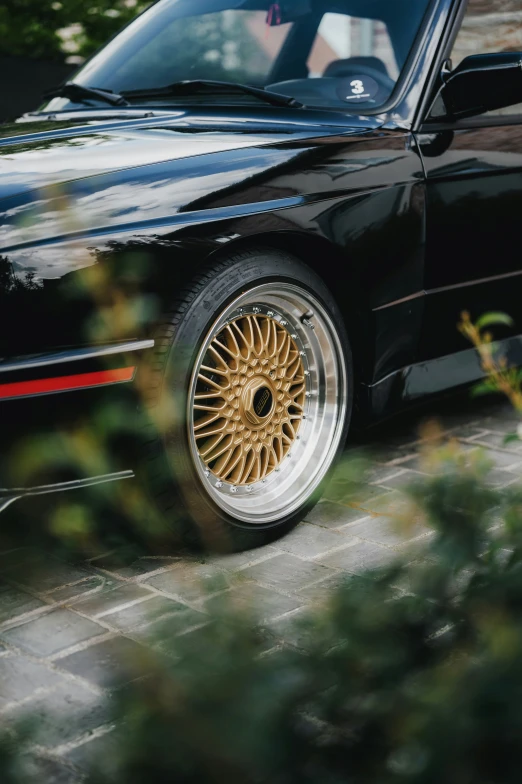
408	674
499	377
33	27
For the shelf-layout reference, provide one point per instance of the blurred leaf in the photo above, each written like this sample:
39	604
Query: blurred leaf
484	388
492	319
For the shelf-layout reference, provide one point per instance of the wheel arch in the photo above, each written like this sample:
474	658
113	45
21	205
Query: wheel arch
333	266
329	261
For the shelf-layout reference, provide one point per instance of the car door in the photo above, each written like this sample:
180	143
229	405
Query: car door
474	199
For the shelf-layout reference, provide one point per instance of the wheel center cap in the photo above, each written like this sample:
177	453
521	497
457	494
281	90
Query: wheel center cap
258	402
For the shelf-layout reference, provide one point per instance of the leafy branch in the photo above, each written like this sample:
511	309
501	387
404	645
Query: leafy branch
500	377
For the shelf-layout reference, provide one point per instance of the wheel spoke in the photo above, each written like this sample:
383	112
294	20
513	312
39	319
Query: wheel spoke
212	383
200	407
234	458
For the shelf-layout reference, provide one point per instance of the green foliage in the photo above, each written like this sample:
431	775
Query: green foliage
494	319
408	674
498	376
30	27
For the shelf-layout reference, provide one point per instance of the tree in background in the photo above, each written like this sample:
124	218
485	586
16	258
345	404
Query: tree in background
35	28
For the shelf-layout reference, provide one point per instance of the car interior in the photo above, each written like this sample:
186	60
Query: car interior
367	73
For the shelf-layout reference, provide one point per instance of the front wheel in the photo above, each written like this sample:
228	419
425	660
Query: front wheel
256	365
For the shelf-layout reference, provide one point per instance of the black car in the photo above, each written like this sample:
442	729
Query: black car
241	222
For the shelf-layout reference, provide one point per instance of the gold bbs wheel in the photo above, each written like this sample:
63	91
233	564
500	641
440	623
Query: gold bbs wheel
249	397
267	402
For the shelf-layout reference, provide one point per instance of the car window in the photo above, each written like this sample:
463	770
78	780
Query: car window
341	37
490	26
344	54
227	45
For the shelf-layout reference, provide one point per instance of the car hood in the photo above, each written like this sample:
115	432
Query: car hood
34	155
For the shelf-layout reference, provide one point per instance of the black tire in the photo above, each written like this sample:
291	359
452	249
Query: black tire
186	499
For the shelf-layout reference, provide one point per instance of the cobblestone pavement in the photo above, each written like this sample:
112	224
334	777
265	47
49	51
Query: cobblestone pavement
67	628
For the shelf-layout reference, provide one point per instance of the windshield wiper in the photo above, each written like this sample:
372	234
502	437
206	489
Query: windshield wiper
210	87
77	93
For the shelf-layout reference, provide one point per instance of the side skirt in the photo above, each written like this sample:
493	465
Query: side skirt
415	382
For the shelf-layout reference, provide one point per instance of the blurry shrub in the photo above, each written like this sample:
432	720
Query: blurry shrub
408	674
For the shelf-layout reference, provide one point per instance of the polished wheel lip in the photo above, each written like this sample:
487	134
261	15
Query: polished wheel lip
293	483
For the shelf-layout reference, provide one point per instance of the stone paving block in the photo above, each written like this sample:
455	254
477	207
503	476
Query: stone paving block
14	602
287	572
330	514
465	432
46	574
504	421
18	557
361	497
417	548
360	556
316	594
100	751
135	569
497	440
378	474
20	677
384	530
393	455
108	664
498	478
415	462
161	635
95	584
41	770
148	612
309	541
391	503
62	716
504	460
402	480
234	561
290	630
192	581
108	601
48	634
255	600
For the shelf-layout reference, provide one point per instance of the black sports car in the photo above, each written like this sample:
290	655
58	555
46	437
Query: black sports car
243	220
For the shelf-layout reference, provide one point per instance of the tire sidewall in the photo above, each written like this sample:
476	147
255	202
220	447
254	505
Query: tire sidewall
237	275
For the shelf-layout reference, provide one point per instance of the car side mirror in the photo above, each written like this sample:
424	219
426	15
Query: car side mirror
482	83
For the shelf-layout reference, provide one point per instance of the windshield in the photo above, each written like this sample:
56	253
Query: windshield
345	54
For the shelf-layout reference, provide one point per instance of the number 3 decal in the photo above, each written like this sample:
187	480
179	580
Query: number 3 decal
357	87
